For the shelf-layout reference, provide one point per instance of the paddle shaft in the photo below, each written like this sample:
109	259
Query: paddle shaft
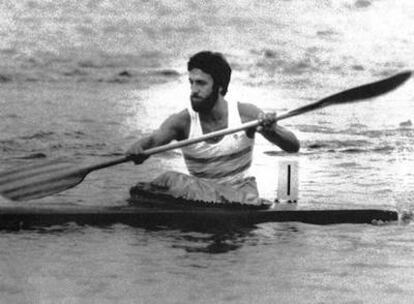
179	144
186	142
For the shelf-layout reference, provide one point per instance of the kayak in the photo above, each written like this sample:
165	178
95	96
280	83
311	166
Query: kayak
149	215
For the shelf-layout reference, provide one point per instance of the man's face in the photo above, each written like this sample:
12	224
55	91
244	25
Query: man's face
204	94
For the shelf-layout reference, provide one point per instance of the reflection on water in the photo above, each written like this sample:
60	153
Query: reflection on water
351	262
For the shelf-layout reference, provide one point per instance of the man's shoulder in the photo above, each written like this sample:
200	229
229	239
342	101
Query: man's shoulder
183	114
248	111
180	121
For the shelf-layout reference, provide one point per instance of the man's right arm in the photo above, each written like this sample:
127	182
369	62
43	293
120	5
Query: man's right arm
174	127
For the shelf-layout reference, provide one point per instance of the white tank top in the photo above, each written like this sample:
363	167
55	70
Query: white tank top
226	161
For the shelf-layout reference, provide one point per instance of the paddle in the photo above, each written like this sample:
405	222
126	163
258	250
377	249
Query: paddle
41	180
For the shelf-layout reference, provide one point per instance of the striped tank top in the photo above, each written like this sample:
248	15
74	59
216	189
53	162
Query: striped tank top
226	161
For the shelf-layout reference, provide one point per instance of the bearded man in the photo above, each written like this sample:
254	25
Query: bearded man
219	167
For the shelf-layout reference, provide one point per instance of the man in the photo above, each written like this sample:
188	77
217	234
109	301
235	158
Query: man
218	167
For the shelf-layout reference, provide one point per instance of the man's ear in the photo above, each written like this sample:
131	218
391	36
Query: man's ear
220	90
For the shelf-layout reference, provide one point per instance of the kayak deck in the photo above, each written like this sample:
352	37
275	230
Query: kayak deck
27	217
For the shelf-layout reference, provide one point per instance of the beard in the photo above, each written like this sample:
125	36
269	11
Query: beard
205	104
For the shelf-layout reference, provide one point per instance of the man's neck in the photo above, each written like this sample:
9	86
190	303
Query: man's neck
216	119
217	113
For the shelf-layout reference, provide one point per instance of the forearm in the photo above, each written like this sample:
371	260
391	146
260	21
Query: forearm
146	142
137	151
170	129
282	137
157	138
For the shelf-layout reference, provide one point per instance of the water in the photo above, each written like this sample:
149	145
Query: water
82	80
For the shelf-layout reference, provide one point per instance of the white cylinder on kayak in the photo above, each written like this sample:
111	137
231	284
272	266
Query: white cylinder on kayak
288	181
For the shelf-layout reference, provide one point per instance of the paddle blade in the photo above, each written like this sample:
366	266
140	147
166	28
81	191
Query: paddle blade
359	93
40	180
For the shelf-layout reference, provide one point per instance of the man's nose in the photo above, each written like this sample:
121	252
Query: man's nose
194	89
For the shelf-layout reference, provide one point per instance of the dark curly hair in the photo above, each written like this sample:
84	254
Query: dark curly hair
214	64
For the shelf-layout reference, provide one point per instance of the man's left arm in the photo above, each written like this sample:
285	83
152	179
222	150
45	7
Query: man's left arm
270	130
